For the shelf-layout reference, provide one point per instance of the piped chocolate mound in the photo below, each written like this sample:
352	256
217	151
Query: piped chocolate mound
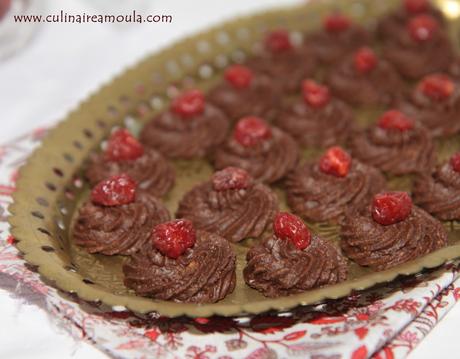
124	154
391	232
439	193
318	120
118	219
393	24
291	260
363	79
182	265
420	48
192	128
338	38
397	145
325	190
266	152
244	93
283	62
435	102
231	205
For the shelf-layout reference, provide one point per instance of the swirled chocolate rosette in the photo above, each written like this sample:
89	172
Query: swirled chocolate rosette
283	62
365	79
181	264
231	205
318	119
292	260
439	193
264	151
339	37
393	24
124	154
324	190
390	232
397	145
419	48
118	217
435	102
245	92
191	128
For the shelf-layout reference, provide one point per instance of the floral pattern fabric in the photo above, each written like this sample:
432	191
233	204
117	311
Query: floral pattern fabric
381	323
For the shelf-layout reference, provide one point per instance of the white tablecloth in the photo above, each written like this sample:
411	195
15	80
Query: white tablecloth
62	64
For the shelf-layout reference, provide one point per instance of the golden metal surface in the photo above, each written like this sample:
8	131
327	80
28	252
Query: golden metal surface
50	186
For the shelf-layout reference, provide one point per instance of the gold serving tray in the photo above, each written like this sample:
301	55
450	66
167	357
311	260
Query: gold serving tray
50	186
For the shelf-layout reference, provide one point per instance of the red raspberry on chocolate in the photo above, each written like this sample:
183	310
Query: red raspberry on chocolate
336	23
239	76
251	131
395	120
278	41
114	191
455	162
123	146
416	6
422	27
173	238
437	87
391	207
291	228
314	94
335	162
189	104
365	60
231	178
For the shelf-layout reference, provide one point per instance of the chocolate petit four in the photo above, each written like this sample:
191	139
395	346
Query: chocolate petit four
231	205
323	190
266	152
292	260
364	79
421	47
435	102
392	24
390	232
339	37
244	92
397	144
181	264
439	193
318	119
124	154
191	128
118	218
283	62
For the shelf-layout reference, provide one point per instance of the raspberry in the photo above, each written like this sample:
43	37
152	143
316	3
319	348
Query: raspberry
189	104
239	76
416	6
365	60
114	191
395	120
291	228
251	131
278	41
336	23
437	87
174	238
335	162
123	146
231	178
422	27
5	6
391	207
314	94
455	162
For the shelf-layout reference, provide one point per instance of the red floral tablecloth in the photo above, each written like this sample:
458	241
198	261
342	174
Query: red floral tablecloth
384	322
